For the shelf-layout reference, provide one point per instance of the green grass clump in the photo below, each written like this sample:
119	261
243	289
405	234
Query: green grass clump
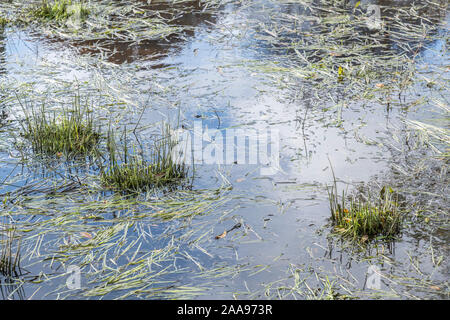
133	174
3	21
70	133
59	10
9	262
362	220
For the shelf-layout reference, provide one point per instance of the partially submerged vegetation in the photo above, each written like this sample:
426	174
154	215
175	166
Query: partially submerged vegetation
362	219
145	245
106	239
60	10
69	132
3	21
131	172
9	253
97	20
336	53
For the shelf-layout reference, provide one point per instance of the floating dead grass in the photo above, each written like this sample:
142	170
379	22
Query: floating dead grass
329	47
98	20
112	242
9	253
364	217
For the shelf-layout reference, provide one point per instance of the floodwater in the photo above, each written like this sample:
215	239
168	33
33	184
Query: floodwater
210	75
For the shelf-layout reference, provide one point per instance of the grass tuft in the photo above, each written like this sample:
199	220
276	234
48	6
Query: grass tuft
70	133
60	10
132	173
361	219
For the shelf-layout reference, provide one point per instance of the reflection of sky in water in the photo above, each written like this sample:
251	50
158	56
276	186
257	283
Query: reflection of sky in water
27	56
213	85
